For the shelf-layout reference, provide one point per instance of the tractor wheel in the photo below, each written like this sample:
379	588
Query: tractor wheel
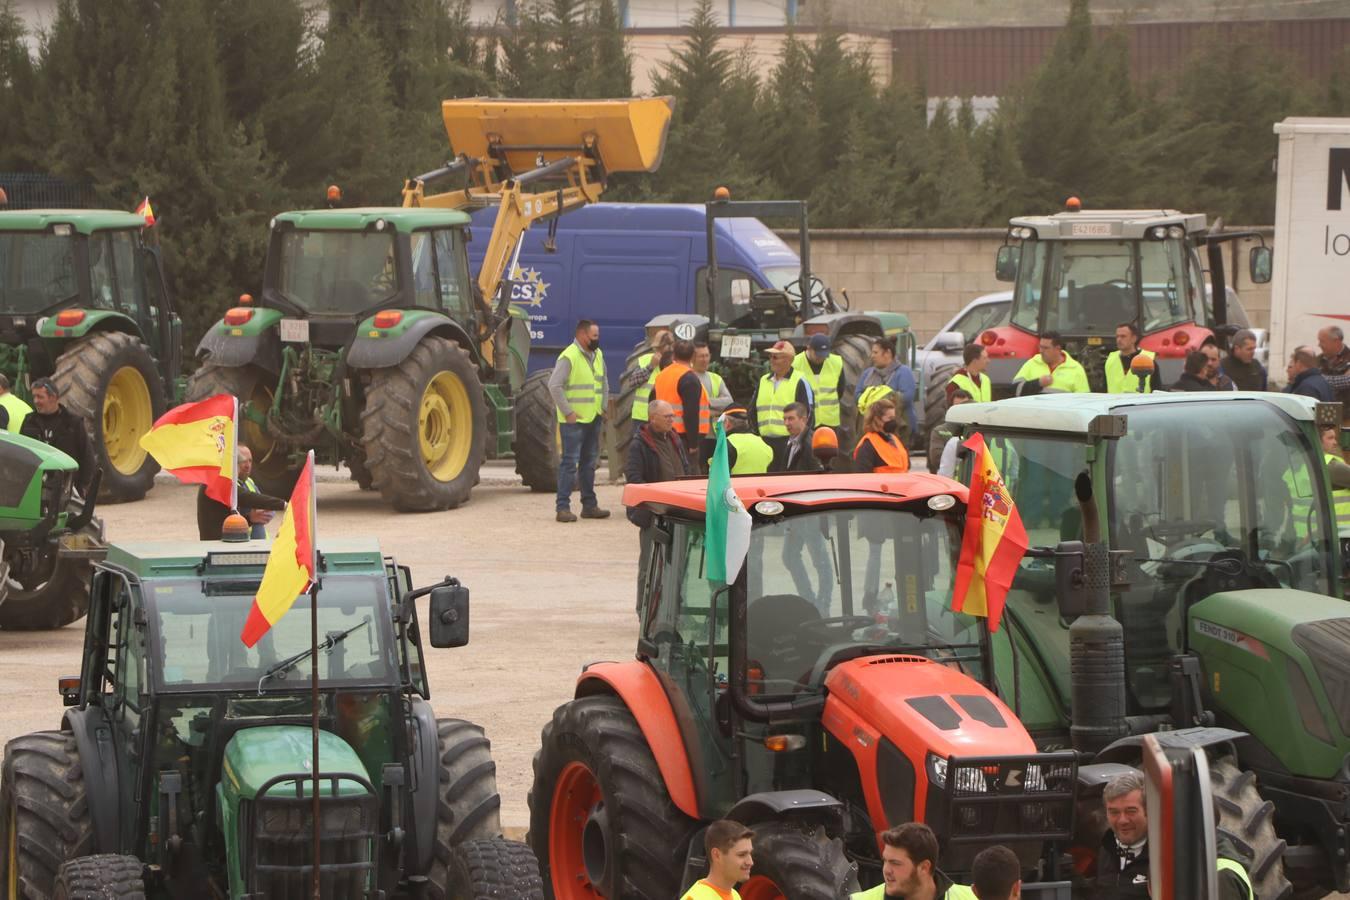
537	446
110	380
798	861
55	603
468	807
424	426
855	350
495	868
44	812
272	469
106	876
360	472
1249	822
624	426
601	821
935	402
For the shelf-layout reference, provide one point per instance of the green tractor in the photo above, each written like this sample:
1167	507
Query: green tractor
1205	519
48	544
183	765
83	300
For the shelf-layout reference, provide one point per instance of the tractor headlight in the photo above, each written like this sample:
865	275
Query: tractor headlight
967	780
937	770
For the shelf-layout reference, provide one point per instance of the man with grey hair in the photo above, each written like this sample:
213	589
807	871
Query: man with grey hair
12	409
1334	363
1304	378
1240	364
1122	861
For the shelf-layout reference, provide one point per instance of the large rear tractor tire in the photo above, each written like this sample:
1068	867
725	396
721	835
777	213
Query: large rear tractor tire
855	350
110	380
495	868
272	468
44	813
468	807
424	428
41	604
601	821
537	446
106	876
935	402
799	862
1249	822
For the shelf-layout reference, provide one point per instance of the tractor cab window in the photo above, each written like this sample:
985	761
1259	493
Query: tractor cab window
37	270
440	271
734	288
128	648
197	645
822	582
1026	311
102	281
1088	287
337	272
127	271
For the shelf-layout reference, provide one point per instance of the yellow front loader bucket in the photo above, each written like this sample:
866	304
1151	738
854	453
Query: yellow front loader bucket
629	135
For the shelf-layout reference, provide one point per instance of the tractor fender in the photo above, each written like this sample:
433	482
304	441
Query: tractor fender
378	348
1127	749
94	320
844	323
257	345
812	805
640	689
94	740
421	818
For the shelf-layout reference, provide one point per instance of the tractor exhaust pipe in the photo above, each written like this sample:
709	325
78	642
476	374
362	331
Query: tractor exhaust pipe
1096	641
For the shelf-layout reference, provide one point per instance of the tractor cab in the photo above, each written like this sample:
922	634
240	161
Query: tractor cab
1082	273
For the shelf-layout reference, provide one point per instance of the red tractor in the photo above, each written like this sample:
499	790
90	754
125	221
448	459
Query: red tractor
827	694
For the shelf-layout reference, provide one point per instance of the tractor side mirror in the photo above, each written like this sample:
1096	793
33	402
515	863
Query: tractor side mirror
1005	264
1260	264
1070	579
949	342
450	616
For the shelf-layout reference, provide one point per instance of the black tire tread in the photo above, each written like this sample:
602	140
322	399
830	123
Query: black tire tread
493	868
536	442
1249	822
273	474
805	862
651	833
389	424
42	779
935	400
57	602
105	876
468	807
82	374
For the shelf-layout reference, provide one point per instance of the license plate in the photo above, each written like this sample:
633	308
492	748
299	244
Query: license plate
736	346
1094	342
294	331
1094	229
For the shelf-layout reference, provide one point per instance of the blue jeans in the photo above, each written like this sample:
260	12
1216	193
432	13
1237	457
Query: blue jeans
580	455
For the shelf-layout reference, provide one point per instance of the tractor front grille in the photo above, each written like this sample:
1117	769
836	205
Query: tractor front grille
991	798
277	848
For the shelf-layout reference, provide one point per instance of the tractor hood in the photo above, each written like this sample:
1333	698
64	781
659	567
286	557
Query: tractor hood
255	756
26	465
1277	665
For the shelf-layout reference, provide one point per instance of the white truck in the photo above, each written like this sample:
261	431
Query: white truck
1312	235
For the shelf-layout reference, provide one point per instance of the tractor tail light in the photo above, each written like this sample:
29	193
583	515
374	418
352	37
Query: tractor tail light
988	338
388	318
68	317
1180	338
238	315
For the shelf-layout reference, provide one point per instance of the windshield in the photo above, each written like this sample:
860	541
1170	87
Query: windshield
979	319
780	277
337	272
198	643
37	270
1089	287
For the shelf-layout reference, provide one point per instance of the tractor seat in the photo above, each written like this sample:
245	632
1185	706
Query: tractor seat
775	639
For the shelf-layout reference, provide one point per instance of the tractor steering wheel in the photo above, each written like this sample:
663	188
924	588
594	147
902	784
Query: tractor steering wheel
818	298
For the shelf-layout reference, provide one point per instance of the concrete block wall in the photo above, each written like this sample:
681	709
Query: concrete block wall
930	274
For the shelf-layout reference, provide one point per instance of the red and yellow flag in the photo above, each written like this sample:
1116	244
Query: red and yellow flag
994	542
291	566
198	443
144	210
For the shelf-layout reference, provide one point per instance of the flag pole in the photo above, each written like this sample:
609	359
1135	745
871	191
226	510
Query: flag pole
314	720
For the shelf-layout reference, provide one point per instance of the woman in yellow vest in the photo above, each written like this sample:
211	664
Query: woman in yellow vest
880	450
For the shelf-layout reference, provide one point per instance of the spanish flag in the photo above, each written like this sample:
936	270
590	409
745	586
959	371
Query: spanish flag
994	542
198	443
291	566
145	211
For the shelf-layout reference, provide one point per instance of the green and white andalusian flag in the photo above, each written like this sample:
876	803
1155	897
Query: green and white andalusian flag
727	523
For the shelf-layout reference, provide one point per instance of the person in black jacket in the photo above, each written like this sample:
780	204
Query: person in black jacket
51	423
656	453
211	513
1193	375
799	455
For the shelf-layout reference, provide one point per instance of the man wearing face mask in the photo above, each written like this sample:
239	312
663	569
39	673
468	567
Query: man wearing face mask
580	392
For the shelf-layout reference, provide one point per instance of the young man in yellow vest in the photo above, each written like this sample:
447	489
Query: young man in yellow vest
825	373
648	367
970	377
1120	377
1052	370
730	849
1340	499
580	392
909	868
780	386
12	409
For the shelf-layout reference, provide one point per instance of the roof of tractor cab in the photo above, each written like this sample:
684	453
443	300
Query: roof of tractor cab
691	494
1108	224
84	221
1074	413
361	218
196	559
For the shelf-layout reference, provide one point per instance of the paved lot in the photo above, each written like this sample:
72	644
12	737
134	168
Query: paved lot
546	598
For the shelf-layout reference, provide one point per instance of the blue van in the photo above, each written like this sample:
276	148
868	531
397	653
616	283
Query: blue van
621	264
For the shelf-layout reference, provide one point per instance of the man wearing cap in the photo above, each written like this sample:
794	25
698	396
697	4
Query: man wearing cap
780	386
12	409
825	373
747	454
51	423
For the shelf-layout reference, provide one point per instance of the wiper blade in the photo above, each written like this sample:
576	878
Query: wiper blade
332	639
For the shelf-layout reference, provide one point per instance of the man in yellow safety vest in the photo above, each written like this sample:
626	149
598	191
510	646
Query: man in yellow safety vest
747	454
730	850
970	377
580	392
1340	499
648	367
1051	370
909	868
780	386
12	408
1121	376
